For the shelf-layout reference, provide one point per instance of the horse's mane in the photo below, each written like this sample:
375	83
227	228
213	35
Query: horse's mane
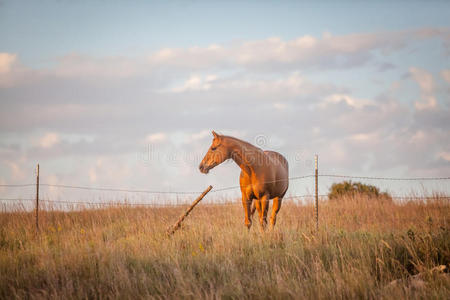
240	141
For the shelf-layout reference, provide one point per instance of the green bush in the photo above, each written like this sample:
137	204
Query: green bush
351	189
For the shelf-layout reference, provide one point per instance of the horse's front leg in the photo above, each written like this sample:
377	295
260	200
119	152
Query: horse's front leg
246	203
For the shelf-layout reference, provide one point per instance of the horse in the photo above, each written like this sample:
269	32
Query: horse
264	175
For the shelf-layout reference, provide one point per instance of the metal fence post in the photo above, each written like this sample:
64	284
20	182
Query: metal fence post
316	158
37	198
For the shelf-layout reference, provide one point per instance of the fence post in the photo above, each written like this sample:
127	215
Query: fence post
171	230
37	198
316	158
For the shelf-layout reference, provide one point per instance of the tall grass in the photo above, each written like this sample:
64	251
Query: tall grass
362	246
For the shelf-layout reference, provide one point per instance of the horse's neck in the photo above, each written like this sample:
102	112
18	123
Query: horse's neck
241	153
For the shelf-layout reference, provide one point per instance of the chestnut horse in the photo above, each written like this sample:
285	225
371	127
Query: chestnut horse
264	175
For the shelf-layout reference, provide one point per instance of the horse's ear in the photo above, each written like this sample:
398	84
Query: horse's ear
216	136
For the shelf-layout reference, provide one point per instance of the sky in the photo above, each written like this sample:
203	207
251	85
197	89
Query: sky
125	94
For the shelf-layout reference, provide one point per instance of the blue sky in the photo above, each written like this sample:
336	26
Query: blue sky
88	87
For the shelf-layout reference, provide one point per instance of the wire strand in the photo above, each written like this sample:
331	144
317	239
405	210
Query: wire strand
187	203
219	189
16	199
385	178
18	185
115	189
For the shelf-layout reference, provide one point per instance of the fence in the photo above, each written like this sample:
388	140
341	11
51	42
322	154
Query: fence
38	202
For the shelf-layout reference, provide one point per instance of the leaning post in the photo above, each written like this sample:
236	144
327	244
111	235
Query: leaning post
316	158
171	230
37	198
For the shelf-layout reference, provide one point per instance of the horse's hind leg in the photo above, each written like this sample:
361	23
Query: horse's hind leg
262	205
275	209
252	212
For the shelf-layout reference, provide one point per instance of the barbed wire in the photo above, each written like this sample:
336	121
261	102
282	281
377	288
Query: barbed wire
271	181
65	202
303	196
385	178
193	192
129	203
142	190
18	185
219	189
116	189
107	203
16	199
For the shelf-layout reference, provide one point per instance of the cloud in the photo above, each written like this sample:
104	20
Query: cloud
343	98
329	51
15	169
49	140
445	156
290	85
10	69
266	55
6	62
94	169
429	102
280	106
361	137
195	83
424	79
446	75
156	137
77	65
200	135
271	55
194	57
17	172
426	83
92	175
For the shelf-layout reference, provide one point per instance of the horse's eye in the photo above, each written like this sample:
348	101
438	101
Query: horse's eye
213	148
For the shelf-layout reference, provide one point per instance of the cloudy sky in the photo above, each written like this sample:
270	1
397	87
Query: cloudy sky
125	94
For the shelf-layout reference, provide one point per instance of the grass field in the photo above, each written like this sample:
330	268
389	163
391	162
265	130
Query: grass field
365	249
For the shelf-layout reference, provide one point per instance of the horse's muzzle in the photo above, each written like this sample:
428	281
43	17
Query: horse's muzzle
203	169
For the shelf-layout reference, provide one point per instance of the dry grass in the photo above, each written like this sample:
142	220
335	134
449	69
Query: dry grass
124	253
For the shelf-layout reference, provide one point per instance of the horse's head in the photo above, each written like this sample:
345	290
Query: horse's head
216	154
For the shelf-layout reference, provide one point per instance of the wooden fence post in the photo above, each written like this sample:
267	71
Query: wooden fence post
173	228
37	198
316	158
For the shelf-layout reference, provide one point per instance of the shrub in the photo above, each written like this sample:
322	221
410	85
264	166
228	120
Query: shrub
351	189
